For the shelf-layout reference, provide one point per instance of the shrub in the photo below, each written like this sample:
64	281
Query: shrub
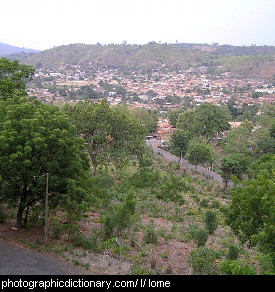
202	261
198	235
234	267
210	221
150	235
204	203
139	270
233	252
266	265
119	217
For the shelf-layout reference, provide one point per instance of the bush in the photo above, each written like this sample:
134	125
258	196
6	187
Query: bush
234	267
150	235
139	270
119	217
210	221
202	261
233	252
198	235
266	265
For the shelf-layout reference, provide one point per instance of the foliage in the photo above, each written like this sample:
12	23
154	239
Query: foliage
199	235
210	221
179	142
251	213
234	267
147	119
237	139
264	141
199	152
233	252
234	164
173	116
202	261
170	188
205	120
13	77
108	134
150	234
263	166
266	264
119	217
37	139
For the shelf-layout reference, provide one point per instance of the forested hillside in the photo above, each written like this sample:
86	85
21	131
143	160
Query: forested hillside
252	61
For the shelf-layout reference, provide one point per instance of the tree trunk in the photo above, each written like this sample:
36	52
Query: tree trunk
26	216
19	216
226	182
94	166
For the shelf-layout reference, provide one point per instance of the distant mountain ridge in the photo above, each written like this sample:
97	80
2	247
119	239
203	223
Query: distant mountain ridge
242	61
6	50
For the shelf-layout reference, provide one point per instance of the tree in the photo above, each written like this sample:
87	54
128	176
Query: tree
109	135
237	139
210	221
264	141
36	139
199	152
13	77
173	116
202	261
179	142
206	120
251	213
146	118
234	164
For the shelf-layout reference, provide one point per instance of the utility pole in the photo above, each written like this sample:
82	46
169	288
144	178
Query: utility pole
46	209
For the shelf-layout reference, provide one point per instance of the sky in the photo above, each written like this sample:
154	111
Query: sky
43	24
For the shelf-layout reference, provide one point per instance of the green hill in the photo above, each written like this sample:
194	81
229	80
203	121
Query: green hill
243	61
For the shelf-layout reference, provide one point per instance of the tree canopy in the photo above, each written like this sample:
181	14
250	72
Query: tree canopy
109	135
36	139
13	77
206	120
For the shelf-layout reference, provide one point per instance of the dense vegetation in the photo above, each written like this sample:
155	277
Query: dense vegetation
157	210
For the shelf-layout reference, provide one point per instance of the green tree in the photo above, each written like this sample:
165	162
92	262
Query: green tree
264	141
36	139
210	221
109	135
199	152
234	164
237	139
206	120
146	118
251	212
234	267
202	261
179	142
13	77
173	116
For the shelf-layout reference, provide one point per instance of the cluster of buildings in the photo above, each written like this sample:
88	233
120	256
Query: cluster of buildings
151	88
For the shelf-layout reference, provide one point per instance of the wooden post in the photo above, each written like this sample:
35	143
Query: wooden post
46	210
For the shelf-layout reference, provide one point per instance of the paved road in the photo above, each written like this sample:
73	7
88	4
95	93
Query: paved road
15	260
213	175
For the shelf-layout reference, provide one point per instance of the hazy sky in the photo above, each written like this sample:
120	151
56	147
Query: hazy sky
42	24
